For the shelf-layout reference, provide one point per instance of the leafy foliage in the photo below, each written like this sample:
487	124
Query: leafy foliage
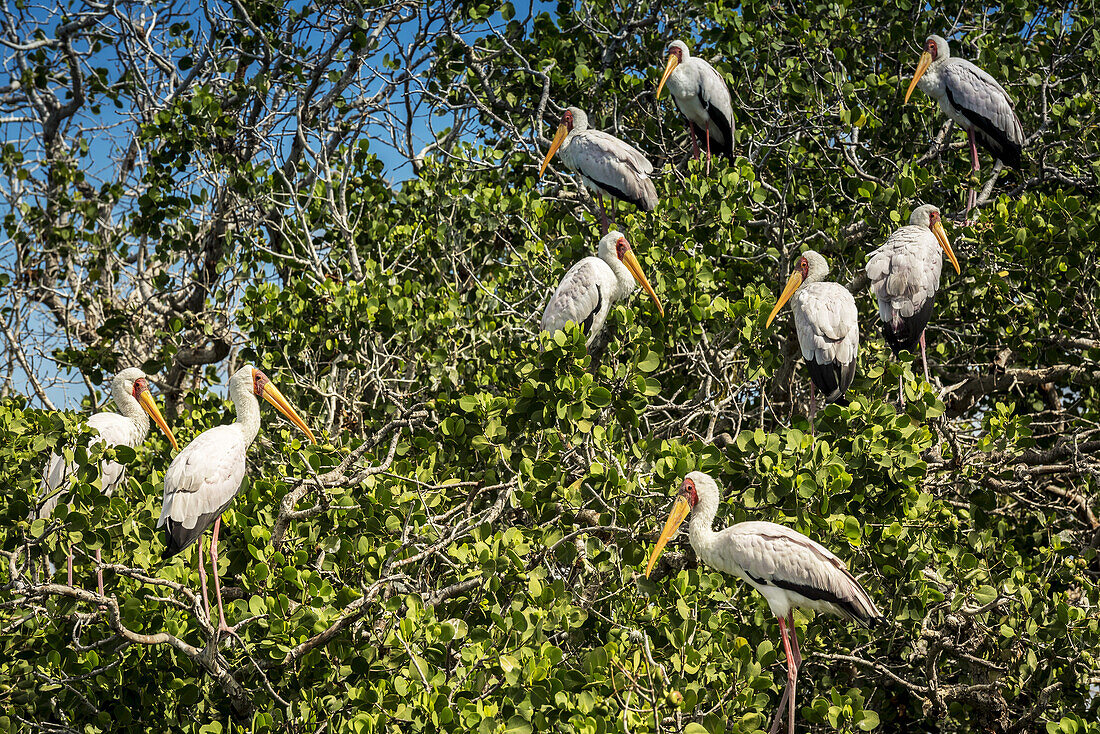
463	550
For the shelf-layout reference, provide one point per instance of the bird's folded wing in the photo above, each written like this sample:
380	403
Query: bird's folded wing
204	477
577	298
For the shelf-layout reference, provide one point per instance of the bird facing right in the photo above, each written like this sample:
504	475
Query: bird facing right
592	286
905	275
788	569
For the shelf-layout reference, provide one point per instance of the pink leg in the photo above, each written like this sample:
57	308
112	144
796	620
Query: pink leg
694	142
924	358
708	148
901	390
69	564
99	570
217	583
794	659
604	224
793	631
202	579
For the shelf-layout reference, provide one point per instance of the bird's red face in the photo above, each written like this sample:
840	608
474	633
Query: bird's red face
804	267
931	48
675	58
259	382
145	400
567	121
688	492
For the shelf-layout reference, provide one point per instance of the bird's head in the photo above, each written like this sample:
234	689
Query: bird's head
935	49
677	52
929	216
811	267
572	119
135	383
260	385
614	246
694	485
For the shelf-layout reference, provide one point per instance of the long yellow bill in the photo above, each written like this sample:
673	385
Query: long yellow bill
679	511
145	400
273	396
673	61
559	137
792	285
941	236
922	66
635	269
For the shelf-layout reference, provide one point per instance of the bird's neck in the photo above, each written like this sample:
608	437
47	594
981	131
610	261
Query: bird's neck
932	83
701	530
625	283
248	415
131	408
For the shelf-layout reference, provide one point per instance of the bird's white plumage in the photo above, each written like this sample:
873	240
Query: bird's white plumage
589	290
786	567
966	92
608	165
205	476
126	429
905	272
827	323
698	89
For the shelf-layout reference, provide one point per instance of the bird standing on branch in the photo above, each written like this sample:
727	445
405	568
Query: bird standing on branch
701	95
129	427
788	569
204	478
975	101
606	164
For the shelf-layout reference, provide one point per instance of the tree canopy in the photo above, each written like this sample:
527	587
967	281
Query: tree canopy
193	187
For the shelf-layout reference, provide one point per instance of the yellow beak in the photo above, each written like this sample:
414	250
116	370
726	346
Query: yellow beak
145	400
273	396
792	285
922	66
673	61
559	137
941	236
679	511
635	269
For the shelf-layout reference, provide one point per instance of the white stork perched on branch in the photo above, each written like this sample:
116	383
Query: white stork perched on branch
204	478
130	391
703	99
905	275
606	164
975	101
827	324
787	568
592	286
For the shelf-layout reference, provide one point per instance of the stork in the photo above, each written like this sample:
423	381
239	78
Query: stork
827	324
204	478
701	95
606	164
905	275
788	569
592	286
974	100
130	391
